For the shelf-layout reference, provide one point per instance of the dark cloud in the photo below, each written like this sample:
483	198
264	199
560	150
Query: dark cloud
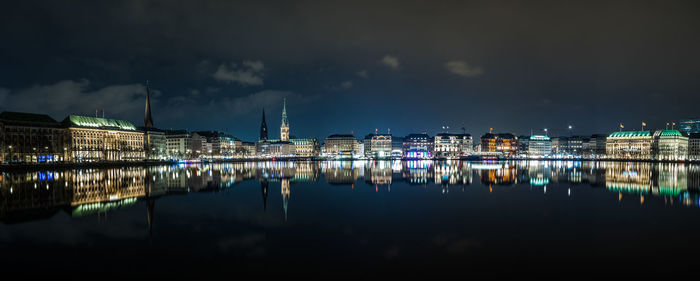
508	65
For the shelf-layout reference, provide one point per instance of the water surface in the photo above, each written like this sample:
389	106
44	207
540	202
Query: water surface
340	219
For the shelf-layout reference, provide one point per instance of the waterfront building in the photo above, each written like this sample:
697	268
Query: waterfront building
448	145
155	143
596	146
247	149
396	146
539	146
367	146
341	145
32	138
560	146
506	143
213	144
284	127
689	126
669	145
102	139
178	144
381	146
305	147
629	145
418	146
523	145
274	148
694	147
575	147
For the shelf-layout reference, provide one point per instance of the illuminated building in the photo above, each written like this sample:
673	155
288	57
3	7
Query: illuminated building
418	146
154	139
101	139
213	144
32	138
669	145
247	149
539	146
305	147
694	147
381	146
396	147
568	146
689	126
506	144
178	144
629	145
595	146
448	145
284	127
155	143
274	148
341	145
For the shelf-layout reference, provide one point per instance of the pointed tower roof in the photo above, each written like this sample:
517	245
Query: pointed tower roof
284	113
148	120
263	127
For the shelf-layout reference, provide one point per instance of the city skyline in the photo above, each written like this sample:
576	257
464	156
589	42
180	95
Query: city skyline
512	67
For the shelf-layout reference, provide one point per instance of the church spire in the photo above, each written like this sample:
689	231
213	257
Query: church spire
148	120
284	128
263	127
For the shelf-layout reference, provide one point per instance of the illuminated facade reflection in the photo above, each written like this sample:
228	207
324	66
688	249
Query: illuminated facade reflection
32	195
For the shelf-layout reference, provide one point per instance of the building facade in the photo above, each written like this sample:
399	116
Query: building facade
178	144
506	144
448	145
32	138
380	146
305	147
629	145
539	146
339	145
418	146
689	126
101	139
694	147
669	145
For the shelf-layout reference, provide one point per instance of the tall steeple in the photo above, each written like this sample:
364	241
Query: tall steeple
148	120
263	127
284	128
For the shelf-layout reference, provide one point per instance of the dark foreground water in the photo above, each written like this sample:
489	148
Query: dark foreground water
354	219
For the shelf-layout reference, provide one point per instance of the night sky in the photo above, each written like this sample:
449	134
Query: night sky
353	66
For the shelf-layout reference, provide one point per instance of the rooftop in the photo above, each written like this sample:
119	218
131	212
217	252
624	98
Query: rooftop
669	133
630	134
96	122
27	118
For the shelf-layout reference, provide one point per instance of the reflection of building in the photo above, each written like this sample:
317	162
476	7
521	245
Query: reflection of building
448	145
506	144
27	137
669	145
629	145
100	139
689	126
418	146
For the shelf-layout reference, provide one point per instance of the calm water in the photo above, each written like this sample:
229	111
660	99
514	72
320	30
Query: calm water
272	219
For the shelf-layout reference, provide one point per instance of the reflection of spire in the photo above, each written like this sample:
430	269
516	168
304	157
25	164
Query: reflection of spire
150	206
148	120
263	187
285	195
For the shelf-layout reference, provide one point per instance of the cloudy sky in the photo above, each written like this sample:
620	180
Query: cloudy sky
353	66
